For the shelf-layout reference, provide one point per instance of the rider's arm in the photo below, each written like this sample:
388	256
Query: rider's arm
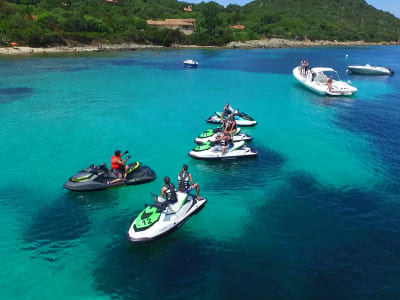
191	179
162	192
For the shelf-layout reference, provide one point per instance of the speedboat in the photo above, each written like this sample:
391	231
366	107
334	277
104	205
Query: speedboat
316	80
370	70
162	217
96	178
212	151
189	63
242	119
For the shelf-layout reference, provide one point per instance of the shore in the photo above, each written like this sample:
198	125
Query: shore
263	43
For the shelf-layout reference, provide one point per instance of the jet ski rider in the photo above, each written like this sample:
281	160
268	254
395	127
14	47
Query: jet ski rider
183	182
228	110
231	126
117	166
168	191
226	141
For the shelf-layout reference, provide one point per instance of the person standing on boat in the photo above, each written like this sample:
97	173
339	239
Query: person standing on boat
330	80
302	64
306	65
186	183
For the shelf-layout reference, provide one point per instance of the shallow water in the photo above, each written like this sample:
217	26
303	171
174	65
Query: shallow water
314	217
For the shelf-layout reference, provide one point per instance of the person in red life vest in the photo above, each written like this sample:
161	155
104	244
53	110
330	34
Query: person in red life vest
117	166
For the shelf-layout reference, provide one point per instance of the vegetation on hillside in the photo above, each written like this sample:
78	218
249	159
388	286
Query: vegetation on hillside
62	22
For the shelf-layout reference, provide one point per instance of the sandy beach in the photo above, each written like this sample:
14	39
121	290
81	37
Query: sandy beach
263	43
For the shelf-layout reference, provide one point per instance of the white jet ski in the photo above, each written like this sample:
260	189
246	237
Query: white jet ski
242	119
162	218
211	134
370	70
212	151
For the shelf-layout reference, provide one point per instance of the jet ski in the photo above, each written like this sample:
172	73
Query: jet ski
211	134
213	151
242	119
96	178
162	217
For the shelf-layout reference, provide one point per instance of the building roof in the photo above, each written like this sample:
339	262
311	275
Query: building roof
238	26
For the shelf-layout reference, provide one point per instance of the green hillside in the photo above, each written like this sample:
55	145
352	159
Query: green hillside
50	22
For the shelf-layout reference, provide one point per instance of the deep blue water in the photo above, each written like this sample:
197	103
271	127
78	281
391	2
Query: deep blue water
316	216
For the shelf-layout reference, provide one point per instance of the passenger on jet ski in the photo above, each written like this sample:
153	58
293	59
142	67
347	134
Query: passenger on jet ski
227	111
183	182
117	165
231	126
225	141
169	191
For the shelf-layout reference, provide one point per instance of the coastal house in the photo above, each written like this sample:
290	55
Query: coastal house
186	26
189	8
241	27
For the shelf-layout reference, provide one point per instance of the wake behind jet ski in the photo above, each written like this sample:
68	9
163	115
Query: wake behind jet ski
210	135
96	178
241	118
164	216
214	151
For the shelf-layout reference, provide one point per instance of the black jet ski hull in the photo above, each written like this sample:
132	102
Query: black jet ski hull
90	186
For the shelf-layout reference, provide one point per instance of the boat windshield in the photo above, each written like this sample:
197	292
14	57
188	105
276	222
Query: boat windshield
334	74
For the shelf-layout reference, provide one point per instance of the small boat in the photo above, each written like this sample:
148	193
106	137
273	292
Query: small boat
189	63
370	70
317	79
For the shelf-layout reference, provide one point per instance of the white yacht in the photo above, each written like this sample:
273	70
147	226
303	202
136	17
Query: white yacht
190	63
370	70
317	80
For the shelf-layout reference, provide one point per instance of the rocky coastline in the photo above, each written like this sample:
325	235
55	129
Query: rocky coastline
252	44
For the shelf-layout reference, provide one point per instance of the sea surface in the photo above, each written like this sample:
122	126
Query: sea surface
316	216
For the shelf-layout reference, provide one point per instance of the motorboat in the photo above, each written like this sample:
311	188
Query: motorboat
317	80
370	70
162	217
210	135
189	63
213	151
242	119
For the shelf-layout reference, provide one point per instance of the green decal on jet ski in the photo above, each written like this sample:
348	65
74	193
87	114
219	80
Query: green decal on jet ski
79	179
134	168
184	200
147	217
207	133
203	147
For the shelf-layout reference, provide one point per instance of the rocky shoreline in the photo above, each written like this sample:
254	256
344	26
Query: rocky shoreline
264	43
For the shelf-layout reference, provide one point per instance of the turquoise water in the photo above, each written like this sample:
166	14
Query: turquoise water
314	217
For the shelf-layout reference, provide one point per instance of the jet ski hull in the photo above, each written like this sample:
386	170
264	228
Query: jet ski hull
210	135
142	175
161	228
238	151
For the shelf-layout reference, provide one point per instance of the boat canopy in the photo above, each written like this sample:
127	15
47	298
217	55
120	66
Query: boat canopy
317	70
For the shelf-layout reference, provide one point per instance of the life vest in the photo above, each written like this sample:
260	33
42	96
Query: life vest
183	181
170	193
115	165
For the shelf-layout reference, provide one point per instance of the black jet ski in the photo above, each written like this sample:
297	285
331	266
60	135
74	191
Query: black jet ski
96	178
